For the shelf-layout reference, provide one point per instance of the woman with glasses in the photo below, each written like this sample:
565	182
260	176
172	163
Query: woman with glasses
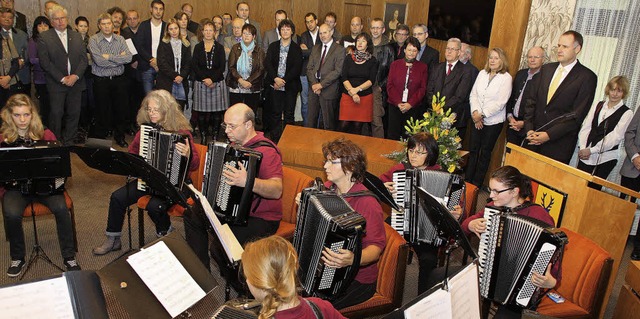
270	266
422	153
160	109
246	70
510	188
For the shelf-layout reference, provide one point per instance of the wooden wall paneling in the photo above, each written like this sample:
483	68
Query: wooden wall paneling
300	9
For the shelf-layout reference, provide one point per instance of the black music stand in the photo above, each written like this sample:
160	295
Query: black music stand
447	226
26	165
130	165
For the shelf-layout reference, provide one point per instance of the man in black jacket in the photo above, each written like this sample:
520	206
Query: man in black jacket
384	55
308	40
149	32
427	54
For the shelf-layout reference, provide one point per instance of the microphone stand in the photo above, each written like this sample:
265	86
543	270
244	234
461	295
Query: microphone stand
568	115
601	147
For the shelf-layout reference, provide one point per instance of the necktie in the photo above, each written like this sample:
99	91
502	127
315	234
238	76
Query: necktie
63	39
449	70
324	53
555	83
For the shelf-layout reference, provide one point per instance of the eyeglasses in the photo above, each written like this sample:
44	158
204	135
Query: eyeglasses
415	34
231	127
452	49
151	110
496	192
247	34
334	162
415	151
403	34
534	57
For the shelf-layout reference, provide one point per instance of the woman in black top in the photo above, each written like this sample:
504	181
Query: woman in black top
174	63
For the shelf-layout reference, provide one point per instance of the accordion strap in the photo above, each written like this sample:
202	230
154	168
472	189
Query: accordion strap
315	308
359	194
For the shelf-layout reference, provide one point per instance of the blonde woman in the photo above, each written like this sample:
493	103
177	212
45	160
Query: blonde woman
270	266
174	63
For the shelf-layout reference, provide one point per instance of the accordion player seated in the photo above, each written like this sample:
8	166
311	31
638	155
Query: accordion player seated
510	189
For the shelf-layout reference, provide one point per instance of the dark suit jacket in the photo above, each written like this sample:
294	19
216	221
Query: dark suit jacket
398	51
632	147
53	59
294	66
575	94
306	39
330	72
518	86
456	87
430	57
20	22
167	66
142	41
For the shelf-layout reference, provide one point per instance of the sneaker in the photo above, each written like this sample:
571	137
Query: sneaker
71	264
16	268
165	233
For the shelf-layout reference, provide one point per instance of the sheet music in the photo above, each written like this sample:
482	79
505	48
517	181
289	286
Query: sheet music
165	276
42	299
229	242
465	293
132	48
435	305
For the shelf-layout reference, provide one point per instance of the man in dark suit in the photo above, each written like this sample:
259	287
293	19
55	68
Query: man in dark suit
149	32
400	36
191	25
242	12
452	80
630	171
515	106
559	101
63	57
308	40
323	73
19	19
427	54
273	35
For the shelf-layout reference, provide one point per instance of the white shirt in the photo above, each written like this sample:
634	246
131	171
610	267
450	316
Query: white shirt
610	140
314	35
490	98
155	39
453	66
567	69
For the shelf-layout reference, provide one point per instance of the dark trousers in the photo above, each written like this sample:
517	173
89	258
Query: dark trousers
355	294
282	103
128	195
481	145
88	102
250	99
397	120
515	137
602	170
634	184
13	206
318	106
136	94
112	106
42	93
65	113
427	261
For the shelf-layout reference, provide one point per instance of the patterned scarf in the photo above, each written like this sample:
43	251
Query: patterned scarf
360	56
244	62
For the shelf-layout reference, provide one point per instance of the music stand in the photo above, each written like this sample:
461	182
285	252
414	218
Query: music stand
447	226
375	185
28	164
130	165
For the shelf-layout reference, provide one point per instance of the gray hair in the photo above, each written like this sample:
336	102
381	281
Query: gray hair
57	8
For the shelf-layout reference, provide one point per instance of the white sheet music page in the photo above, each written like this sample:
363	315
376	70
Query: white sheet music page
465	293
165	276
229	242
436	305
42	299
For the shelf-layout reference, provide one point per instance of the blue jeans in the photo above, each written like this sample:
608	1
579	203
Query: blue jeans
304	98
148	78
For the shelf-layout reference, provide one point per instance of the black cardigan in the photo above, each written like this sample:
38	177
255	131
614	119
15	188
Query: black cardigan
166	67
199	63
294	65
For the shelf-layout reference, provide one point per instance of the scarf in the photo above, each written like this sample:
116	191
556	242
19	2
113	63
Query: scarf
360	56
176	45
244	62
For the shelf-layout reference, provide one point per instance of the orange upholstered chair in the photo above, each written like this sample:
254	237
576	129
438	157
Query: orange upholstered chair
586	269
391	271
196	176
471	200
293	182
40	209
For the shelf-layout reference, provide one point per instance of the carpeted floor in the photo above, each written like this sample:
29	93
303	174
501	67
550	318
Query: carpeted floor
90	190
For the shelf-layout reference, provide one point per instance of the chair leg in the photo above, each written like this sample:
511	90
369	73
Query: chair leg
140	227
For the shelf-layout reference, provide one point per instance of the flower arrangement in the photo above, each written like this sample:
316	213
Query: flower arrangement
438	123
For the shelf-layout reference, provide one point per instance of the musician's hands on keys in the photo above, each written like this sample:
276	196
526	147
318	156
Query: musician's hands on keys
457	211
544	281
235	176
342	258
389	186
183	148
478	226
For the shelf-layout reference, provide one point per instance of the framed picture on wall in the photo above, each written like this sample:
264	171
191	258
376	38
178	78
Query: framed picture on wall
394	14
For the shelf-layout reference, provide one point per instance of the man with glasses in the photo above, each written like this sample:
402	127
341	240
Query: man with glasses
331	19
384	55
266	206
19	19
453	80
427	54
536	57
234	37
63	58
308	40
400	36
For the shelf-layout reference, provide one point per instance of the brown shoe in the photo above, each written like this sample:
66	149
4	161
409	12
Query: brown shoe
111	244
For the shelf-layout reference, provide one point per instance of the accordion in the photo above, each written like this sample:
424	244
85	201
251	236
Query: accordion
412	221
232	204
158	148
326	220
512	248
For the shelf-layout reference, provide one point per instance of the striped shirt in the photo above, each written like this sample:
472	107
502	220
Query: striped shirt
117	50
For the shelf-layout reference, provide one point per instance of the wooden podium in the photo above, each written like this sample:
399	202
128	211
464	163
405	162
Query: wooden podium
301	149
602	217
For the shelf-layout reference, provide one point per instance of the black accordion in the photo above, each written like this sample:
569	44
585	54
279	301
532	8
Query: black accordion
325	219
412	221
158	148
513	247
232	204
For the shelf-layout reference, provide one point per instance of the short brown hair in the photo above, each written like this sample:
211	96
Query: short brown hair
351	155
621	82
